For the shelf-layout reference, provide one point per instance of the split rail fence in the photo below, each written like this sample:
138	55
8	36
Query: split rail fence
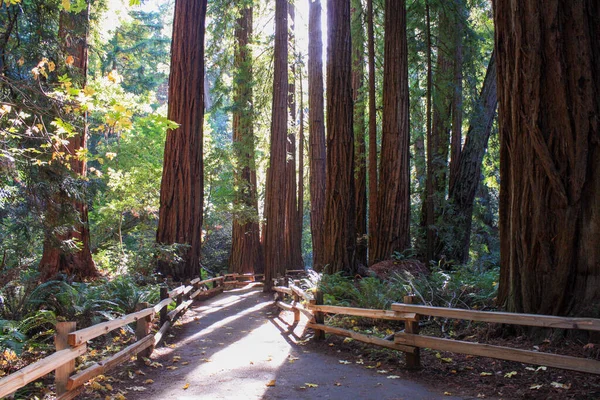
410	342
71	343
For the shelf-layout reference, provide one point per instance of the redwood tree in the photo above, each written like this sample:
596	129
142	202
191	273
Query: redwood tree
372	131
549	102
360	181
393	202
340	207
73	34
182	187
461	195
274	241
316	134
246	249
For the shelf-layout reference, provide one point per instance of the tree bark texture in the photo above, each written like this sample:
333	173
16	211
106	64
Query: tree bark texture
360	148
182	186
301	140
276	178
73	33
246	251
393	202
457	88
372	131
459	212
340	206
316	134
293	250
549	106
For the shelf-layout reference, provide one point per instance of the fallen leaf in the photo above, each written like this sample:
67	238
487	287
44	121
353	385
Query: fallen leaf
136	388
311	385
140	372
185	363
109	387
172	368
337	384
535	387
589	346
186	386
348	340
561	385
271	383
148	381
176	359
361	362
393	377
383	371
510	374
447	394
344	362
486	374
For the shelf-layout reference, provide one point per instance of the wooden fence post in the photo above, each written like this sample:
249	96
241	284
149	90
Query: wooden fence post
319	316
164	294
296	311
61	376
142	330
413	361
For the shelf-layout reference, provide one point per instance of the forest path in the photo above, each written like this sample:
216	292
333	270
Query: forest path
233	345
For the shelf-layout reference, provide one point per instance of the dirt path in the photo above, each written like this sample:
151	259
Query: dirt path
232	346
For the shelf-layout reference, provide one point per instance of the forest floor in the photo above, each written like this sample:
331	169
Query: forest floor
239	346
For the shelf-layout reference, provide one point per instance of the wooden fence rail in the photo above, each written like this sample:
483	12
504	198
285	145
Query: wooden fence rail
410	342
71	344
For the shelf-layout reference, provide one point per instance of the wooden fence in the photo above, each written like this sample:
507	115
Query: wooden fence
410	342
71	343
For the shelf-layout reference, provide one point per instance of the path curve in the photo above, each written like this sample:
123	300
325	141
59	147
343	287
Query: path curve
233	345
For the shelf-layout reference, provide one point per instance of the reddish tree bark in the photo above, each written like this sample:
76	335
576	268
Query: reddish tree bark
457	98
300	216
549	102
246	251
340	207
360	178
393	203
274	241
316	134
293	249
372	132
182	186
73	33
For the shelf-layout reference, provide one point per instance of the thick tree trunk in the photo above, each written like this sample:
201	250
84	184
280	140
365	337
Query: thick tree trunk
372	131
275	191
340	206
393	203
549	102
316	133
360	178
246	250
73	32
459	211
427	213
182	186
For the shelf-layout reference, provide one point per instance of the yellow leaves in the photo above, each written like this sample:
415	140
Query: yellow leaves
344	362
348	340
442	359
176	359
114	77
66	5
311	385
148	381
447	394
271	383
69	60
510	374
486	374
558	385
292	359
21	61
535	387
186	386
185	363
172	367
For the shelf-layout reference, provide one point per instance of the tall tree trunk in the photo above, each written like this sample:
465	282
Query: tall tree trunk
340	206
457	98
275	190
316	126
459	212
293	255
393	203
372	130
360	158
246	249
182	186
549	102
300	215
73	33
427	214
